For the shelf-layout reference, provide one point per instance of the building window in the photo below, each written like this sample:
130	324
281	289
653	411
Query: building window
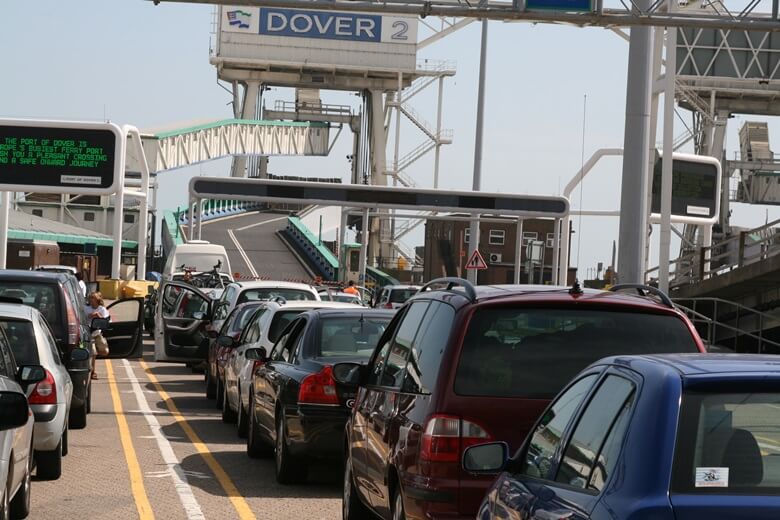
496	237
89	216
467	235
129	219
528	237
550	240
37	212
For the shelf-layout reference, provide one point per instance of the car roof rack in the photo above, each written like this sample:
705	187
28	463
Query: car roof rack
451	282
642	289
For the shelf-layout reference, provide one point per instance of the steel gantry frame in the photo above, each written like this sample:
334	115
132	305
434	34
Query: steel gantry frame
629	13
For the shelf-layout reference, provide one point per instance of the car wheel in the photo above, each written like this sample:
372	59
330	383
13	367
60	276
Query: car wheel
351	506
89	397
5	514
49	463
220	393
20	504
243	420
289	469
398	505
65	441
77	419
228	415
211	387
256	447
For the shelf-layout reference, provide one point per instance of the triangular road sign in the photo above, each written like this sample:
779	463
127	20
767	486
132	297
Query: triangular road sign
476	261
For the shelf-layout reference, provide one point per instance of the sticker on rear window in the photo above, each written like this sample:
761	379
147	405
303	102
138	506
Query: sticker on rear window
712	477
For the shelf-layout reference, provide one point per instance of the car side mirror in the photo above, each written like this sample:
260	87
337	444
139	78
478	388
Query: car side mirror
200	316
226	341
256	354
14	411
79	354
487	458
100	323
31	374
349	374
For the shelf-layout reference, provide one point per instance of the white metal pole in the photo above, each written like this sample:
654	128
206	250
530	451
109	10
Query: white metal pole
5	200
342	250
477	180
143	217
201	203
636	153
191	220
563	264
119	210
364	249
437	150
556	251
518	249
668	158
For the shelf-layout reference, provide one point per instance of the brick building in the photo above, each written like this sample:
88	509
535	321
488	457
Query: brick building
447	245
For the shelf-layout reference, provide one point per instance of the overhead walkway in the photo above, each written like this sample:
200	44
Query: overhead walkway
23	226
168	149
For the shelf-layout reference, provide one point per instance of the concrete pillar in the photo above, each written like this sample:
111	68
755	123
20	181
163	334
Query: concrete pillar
248	108
378	177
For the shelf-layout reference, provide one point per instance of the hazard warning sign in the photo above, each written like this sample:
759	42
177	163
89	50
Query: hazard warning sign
476	261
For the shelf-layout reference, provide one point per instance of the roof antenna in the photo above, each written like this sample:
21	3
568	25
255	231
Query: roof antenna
575	289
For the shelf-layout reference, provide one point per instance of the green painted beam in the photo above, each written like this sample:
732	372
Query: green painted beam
67	238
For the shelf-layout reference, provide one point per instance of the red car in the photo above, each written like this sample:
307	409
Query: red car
465	365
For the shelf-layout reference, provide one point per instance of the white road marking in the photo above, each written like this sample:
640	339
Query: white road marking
187	498
242	253
261	223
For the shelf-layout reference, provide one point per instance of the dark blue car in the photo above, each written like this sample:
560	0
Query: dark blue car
677	437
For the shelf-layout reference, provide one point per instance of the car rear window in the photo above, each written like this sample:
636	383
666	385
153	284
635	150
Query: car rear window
38	296
532	353
401	295
728	443
272	294
242	317
354	336
279	322
21	337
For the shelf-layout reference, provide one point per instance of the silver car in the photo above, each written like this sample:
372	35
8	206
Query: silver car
32	343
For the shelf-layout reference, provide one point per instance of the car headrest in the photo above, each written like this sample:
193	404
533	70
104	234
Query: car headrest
743	458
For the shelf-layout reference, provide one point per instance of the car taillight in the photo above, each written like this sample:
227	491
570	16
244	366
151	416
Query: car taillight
319	388
74	333
388	306
257	364
45	391
446	437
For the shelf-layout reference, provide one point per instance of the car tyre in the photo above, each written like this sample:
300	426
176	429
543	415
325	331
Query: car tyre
77	419
398	505
256	447
243	419
211	387
49	463
289	469
228	415
20	504
65	441
89	397
5	514
352	508
220	393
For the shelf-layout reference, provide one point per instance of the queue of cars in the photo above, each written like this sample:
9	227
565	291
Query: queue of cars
446	407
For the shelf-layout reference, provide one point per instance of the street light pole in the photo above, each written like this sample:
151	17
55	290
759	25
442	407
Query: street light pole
477	180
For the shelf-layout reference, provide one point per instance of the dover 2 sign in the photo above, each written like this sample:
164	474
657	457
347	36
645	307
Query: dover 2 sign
60	156
318	37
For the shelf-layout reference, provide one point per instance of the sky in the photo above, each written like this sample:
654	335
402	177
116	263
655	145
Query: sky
132	62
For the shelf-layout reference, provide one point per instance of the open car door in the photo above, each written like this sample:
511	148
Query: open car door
185	312
125	335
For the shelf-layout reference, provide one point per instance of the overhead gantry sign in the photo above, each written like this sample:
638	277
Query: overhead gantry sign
370	198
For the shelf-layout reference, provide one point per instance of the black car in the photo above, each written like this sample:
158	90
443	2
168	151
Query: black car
296	406
54	296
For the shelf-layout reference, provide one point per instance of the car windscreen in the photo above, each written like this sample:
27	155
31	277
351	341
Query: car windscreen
41	296
353	336
279	322
401	295
272	293
21	337
198	262
728	443
534	352
345	298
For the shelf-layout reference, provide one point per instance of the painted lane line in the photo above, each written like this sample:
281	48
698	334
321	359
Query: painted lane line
242	253
136	477
183	489
256	224
238	501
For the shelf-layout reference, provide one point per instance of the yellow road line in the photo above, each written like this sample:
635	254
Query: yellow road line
242	508
136	478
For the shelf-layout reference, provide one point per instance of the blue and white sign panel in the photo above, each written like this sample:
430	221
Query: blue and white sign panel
577	6
312	38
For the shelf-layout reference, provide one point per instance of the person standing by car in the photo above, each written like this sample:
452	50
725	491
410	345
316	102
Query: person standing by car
82	285
97	309
351	289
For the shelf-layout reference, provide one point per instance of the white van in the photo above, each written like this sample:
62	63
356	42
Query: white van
197	256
